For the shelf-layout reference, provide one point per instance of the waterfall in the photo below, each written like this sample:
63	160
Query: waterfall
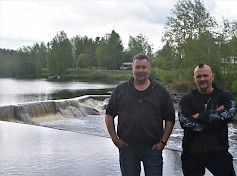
7	113
67	108
25	112
74	108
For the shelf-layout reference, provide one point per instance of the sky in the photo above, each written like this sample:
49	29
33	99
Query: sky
26	22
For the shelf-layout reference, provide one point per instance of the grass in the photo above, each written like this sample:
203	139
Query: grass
98	75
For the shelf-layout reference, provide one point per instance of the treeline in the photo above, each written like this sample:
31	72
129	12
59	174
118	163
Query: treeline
191	36
62	53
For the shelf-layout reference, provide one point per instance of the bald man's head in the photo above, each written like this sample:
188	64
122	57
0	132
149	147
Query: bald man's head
203	66
203	77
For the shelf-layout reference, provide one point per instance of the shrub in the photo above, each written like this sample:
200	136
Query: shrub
163	76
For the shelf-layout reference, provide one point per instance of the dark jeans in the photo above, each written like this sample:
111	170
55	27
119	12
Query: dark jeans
218	163
130	161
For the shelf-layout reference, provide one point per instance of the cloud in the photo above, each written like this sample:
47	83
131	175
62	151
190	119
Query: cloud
25	22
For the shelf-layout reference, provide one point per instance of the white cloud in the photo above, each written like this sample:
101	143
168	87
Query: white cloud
25	22
226	9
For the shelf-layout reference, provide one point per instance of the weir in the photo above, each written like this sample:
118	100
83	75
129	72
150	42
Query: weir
33	112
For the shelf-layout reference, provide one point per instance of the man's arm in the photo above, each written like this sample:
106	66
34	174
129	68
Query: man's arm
166	134
223	113
167	131
109	121
186	118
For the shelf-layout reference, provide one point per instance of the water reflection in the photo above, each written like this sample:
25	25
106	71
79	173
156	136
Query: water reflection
14	91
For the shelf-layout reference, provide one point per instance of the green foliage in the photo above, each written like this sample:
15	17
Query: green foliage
96	75
24	63
189	19
82	61
201	50
40	53
163	76
102	57
188	36
60	54
109	53
87	47
165	58
6	67
139	44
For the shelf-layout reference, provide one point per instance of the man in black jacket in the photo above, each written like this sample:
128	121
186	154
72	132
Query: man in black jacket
141	105
204	114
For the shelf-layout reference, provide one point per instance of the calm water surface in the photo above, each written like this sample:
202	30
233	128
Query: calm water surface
13	91
28	150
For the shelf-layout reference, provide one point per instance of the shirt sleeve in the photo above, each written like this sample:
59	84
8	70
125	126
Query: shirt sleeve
220	116
185	116
112	107
168	111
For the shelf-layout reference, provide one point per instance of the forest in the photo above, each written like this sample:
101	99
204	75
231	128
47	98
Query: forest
191	36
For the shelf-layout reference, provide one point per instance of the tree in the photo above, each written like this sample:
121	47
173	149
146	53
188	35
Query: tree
190	34
109	53
40	53
24	63
227	42
60	54
139	44
164	58
189	19
87	47
6	63
82	61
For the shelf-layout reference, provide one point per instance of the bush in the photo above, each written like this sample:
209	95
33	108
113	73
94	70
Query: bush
162	76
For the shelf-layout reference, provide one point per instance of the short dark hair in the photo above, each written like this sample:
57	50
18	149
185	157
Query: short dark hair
141	57
200	65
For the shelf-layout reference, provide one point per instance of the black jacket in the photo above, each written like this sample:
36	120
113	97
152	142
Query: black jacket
210	131
141	113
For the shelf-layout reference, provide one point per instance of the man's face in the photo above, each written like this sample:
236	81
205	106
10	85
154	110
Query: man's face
203	77
141	69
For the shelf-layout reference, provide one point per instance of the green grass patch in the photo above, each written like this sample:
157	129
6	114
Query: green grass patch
98	75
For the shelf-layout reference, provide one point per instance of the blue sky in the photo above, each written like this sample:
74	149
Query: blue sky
25	22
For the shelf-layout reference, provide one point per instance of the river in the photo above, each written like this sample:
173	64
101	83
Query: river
14	91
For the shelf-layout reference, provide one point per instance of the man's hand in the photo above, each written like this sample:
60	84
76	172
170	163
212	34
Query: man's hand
119	143
158	146
220	108
195	115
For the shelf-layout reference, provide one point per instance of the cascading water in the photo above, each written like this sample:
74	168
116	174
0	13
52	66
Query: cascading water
28	112
7	113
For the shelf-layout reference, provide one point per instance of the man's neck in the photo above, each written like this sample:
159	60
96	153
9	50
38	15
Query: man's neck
206	91
142	85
